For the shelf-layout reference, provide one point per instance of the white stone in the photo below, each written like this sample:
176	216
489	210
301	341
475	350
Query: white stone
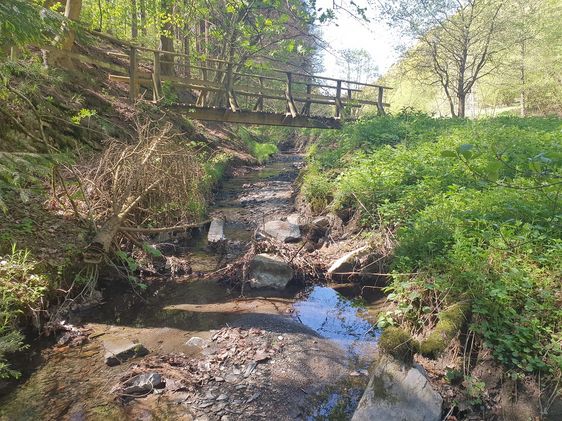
196	341
269	271
283	231
346	263
216	231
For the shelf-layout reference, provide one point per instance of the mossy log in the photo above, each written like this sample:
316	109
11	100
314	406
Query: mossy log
398	343
448	327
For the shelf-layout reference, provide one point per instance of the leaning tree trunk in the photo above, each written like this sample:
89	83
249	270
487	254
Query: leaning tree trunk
65	41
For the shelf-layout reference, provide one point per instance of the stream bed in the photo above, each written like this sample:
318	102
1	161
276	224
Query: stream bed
320	343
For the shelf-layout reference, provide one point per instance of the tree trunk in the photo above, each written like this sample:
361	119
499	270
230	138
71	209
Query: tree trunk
71	12
134	23
65	42
522	78
187	44
142	5
101	244
461	106
167	42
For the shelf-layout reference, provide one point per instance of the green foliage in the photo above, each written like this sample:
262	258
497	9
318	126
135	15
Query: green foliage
23	22
84	113
476	208
262	151
21	288
317	189
259	146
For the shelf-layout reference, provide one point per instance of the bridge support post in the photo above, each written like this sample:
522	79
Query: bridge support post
339	105
133	75
306	107
156	81
291	107
380	104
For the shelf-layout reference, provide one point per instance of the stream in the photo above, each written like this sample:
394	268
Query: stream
320	339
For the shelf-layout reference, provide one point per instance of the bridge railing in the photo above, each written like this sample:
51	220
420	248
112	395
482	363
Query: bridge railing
218	83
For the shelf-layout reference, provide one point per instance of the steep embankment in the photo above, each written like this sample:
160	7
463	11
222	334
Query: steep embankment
73	151
466	217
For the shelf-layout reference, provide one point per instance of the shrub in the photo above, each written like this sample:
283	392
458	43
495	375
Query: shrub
21	288
475	206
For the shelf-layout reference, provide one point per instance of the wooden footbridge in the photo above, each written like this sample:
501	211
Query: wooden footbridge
217	90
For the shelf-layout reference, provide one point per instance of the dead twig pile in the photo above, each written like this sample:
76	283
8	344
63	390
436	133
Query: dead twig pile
155	180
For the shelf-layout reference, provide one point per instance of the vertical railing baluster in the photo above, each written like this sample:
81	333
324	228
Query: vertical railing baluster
156	80
306	107
291	107
133	74
380	104
339	106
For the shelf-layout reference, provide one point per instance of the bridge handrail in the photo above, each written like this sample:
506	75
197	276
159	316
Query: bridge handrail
232	87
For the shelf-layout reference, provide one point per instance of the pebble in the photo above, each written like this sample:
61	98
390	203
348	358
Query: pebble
231	378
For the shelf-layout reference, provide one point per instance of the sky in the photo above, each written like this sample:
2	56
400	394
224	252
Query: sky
348	32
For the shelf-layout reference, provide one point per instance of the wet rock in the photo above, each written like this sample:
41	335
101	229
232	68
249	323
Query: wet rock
118	350
143	384
397	392
296	219
283	231
196	341
343	266
269	271
216	231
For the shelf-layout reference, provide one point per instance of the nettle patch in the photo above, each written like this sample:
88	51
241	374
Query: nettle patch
476	209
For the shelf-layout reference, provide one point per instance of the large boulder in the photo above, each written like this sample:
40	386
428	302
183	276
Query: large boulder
283	231
398	392
269	271
119	350
216	231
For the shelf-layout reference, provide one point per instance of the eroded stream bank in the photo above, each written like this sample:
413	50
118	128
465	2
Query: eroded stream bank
295	354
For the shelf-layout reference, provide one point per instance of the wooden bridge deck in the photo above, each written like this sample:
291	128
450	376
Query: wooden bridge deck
216	90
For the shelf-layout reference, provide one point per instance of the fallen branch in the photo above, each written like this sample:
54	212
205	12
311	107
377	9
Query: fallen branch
142	230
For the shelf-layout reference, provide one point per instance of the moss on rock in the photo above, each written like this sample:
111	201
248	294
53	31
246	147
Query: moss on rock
450	323
398	343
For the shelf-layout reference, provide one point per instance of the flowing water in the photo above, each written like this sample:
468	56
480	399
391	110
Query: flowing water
75	383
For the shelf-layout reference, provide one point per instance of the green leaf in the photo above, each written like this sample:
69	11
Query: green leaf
465	150
448	154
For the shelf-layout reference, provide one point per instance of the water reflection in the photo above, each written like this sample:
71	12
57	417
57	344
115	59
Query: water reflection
335	317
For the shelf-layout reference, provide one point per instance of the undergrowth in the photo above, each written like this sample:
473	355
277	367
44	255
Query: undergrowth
21	288
260	147
476	210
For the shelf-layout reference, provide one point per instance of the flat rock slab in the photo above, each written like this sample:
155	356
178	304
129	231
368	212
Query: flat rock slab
269	271
216	231
283	231
119	350
396	392
346	263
